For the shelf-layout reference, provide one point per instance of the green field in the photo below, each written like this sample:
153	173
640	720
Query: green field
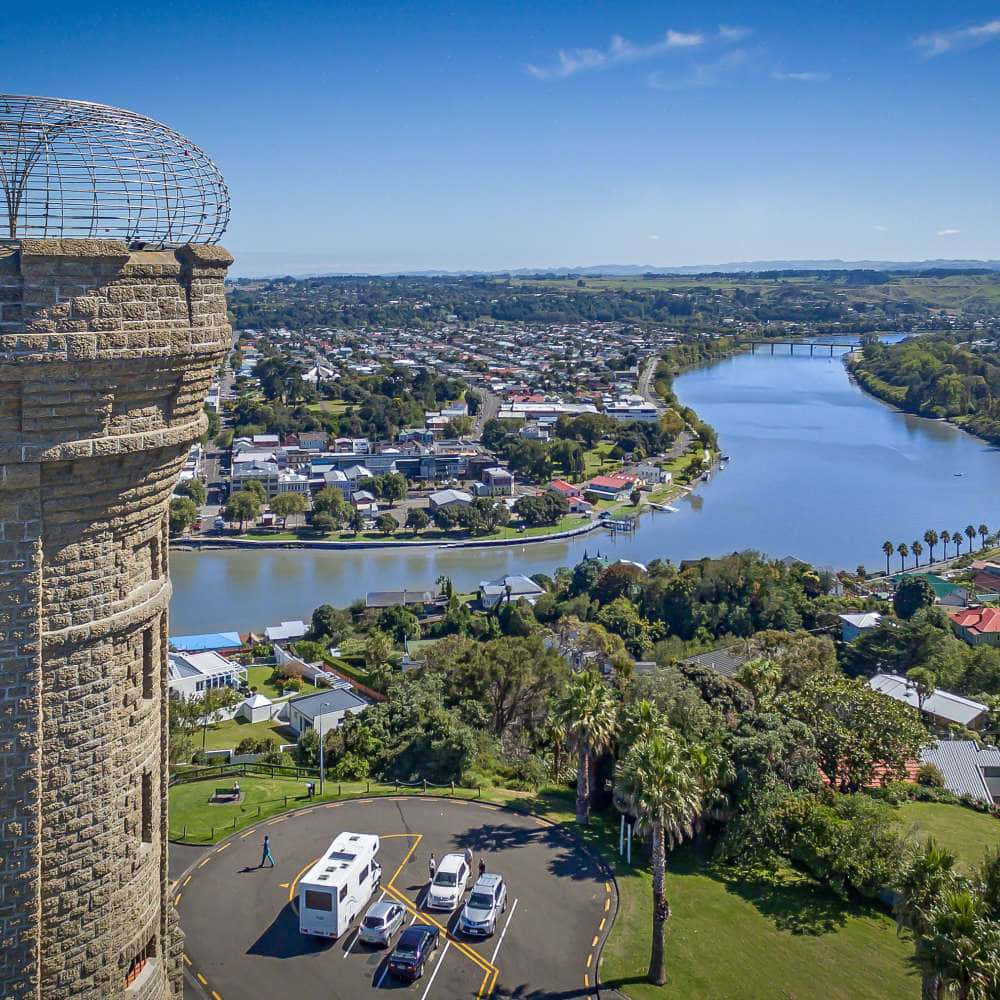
227	735
754	936
967	832
334	407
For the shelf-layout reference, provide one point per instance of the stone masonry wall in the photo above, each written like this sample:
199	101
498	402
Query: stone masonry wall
105	359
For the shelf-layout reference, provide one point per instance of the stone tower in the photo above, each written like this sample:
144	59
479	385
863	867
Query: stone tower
106	355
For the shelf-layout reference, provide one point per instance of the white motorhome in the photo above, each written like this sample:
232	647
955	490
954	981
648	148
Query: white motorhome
338	887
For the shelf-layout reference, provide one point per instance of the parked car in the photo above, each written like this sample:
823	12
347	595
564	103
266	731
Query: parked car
381	922
415	945
219	524
450	883
487	902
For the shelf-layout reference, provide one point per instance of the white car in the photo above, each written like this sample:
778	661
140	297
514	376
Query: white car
449	884
381	922
487	901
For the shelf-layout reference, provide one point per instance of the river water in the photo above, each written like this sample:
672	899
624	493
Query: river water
819	470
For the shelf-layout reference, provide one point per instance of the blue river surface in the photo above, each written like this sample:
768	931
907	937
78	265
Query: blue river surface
818	469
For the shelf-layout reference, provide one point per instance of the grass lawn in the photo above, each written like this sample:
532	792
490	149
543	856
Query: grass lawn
753	937
259	678
967	832
594	457
226	735
331	406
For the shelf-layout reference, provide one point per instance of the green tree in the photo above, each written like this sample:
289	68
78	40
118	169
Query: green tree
888	548
417	519
903	551
193	488
588	712
323	523
924	682
663	781
378	646
242	506
182	515
984	533
917	549
960	945
931	538
256	487
393	487
329	625
286	505
912	594
956	537
970	533
945	539
356	520
387	524
330	500
634	497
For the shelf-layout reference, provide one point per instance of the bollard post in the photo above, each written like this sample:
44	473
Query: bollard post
340	790
479	791
234	822
184	835
425	786
453	788
212	835
397	784
258	812
286	801
368	787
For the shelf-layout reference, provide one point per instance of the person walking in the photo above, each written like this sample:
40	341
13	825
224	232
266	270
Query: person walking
266	855
431	867
468	859
482	867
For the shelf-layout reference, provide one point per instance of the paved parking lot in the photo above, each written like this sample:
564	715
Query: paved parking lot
241	924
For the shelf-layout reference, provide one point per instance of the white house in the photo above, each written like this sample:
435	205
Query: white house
652	475
257	708
494	592
286	631
293	482
943	706
855	624
325	710
190	675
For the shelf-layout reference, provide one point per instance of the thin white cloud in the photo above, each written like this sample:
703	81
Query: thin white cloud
937	43
703	74
949	232
620	50
808	77
880	229
654	236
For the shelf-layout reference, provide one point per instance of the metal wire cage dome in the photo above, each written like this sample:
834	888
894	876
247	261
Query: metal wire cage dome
76	169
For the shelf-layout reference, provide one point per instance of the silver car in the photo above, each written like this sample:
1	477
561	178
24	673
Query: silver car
487	901
381	922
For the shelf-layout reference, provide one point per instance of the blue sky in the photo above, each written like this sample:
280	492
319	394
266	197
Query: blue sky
387	136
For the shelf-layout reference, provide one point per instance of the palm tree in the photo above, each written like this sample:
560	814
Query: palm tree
970	533
588	713
945	539
959	945
984	533
929	871
903	550
931	538
956	537
663	781
917	549
888	548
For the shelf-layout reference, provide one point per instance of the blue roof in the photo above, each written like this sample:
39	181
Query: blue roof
201	643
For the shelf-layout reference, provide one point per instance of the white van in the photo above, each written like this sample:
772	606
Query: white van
449	884
338	887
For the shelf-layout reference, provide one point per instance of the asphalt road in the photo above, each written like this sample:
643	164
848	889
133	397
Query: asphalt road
241	925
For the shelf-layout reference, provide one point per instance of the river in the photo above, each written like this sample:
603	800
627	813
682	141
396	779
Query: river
819	470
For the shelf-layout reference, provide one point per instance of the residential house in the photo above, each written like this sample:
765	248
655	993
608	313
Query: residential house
286	632
977	625
726	660
190	675
406	598
652	475
219	642
968	768
615	488
494	592
943	707
857	622
564	489
326	709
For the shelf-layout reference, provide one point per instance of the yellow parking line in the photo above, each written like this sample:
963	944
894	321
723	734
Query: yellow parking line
177	898
593	944
215	996
188	879
187	961
600	926
590	959
223	848
283	885
406	857
473	956
607	887
249	833
291	885
487	991
204	861
607	905
586	979
202	980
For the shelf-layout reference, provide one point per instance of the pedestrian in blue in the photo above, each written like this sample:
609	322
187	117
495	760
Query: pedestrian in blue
266	856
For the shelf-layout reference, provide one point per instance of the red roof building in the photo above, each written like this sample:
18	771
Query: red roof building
977	625
565	489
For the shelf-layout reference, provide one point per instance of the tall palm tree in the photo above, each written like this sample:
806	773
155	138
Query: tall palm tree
903	550
959	946
928	872
984	533
888	548
945	539
970	533
589	714
931	538
663	781
956	537
917	549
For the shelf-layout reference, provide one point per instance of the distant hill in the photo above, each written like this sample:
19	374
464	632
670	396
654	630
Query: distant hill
250	264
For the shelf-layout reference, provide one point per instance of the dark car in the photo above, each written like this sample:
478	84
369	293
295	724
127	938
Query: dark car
415	945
